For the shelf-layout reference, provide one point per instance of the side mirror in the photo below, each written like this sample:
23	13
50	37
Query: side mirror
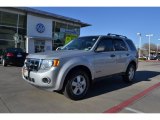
59	48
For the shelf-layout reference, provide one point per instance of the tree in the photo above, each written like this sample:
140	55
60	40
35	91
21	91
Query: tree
145	49
153	47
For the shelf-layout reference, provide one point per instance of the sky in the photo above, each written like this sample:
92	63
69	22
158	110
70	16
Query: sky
127	21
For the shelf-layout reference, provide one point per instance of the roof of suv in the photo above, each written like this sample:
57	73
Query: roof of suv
109	35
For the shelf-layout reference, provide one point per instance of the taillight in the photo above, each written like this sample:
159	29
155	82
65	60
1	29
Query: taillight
10	54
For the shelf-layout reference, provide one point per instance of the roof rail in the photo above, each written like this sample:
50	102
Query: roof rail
116	35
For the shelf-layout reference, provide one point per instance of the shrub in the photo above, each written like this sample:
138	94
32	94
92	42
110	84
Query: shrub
142	59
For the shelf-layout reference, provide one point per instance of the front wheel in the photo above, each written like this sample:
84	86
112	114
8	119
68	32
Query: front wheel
4	63
130	73
77	85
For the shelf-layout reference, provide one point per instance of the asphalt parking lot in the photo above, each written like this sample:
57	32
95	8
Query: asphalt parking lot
17	96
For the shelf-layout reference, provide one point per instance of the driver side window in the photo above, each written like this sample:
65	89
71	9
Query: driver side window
105	45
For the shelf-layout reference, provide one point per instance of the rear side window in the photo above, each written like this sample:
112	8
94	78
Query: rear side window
119	45
131	45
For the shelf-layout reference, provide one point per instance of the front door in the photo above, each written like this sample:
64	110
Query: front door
104	58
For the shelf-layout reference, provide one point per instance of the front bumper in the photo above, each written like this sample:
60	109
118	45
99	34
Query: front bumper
37	77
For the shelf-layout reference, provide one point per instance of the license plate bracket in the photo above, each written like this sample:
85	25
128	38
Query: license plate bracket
19	55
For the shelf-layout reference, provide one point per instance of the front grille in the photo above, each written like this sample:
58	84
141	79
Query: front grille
33	64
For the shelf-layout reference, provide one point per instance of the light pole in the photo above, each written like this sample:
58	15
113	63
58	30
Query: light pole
149	37
140	39
157	47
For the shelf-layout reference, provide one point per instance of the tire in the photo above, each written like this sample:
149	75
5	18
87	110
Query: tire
77	85
130	73
4	63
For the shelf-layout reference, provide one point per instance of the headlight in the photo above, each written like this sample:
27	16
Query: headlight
47	64
25	63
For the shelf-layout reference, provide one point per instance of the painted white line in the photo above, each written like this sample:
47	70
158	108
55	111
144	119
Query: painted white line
133	110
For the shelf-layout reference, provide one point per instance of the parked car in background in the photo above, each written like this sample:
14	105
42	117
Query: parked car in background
12	56
152	57
158	57
1	51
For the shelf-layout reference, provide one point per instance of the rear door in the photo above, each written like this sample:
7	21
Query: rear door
104	58
122	54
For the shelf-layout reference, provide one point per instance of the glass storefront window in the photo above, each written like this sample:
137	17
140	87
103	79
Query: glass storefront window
74	29
7	33
60	26
9	28
59	35
9	19
5	44
63	33
22	21
39	46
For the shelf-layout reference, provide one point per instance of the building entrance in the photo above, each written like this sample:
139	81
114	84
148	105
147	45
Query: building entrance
39	46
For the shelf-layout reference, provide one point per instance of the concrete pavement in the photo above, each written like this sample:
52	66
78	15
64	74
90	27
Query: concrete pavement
17	96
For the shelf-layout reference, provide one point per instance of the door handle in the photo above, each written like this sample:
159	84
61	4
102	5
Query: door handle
127	54
112	55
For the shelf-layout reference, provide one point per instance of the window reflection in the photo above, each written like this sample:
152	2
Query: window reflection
9	26
64	33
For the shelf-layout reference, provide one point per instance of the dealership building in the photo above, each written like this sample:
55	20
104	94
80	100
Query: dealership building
36	31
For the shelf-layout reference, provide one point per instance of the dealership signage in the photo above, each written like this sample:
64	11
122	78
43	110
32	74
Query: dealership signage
68	31
69	38
40	28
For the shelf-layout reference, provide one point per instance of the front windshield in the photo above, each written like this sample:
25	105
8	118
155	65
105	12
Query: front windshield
81	43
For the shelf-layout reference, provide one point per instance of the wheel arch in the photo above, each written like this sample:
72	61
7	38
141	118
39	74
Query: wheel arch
131	62
134	63
78	67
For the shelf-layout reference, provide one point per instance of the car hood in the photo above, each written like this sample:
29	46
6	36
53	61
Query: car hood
58	54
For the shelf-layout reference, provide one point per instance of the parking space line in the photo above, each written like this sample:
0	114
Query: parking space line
133	110
128	102
5	104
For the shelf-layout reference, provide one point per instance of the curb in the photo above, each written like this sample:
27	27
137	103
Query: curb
148	60
122	105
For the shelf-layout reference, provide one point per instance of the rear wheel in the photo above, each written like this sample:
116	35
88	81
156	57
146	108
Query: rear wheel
130	73
4	63
77	85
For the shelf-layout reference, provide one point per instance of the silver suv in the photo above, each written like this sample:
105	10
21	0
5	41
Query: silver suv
73	68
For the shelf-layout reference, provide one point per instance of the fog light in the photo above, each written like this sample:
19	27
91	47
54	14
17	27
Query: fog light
46	80
32	80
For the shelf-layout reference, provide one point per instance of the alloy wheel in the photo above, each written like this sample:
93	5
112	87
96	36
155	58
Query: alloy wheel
78	85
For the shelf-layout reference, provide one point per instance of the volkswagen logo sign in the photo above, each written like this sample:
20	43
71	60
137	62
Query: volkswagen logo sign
40	28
